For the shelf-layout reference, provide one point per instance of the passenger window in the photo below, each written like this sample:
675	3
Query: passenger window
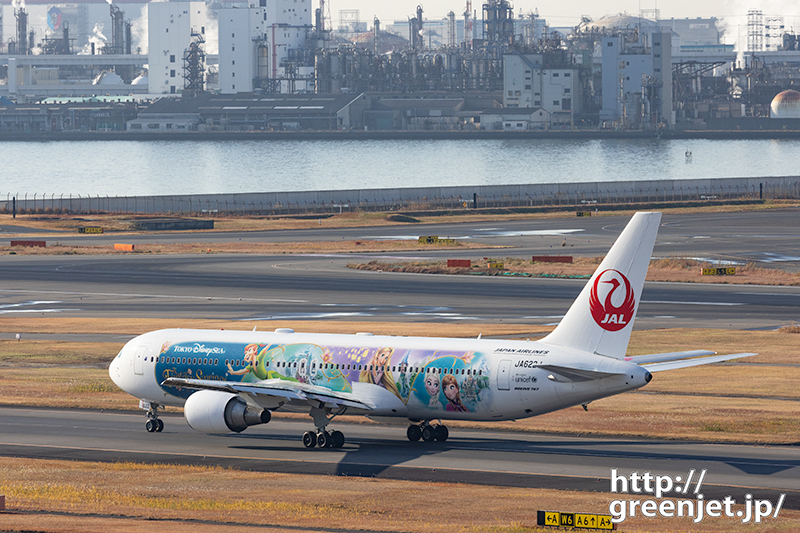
205	361
393	369
216	362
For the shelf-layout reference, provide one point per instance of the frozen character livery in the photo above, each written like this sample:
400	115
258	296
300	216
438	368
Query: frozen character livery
432	386
377	371
450	388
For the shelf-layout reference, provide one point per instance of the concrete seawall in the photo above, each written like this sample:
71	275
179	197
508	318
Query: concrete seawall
465	197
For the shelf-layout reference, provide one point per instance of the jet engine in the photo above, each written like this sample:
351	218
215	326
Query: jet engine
221	412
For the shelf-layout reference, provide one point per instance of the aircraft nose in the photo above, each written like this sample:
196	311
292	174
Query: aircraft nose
114	371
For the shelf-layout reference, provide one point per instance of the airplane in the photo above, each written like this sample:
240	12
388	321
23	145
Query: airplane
227	381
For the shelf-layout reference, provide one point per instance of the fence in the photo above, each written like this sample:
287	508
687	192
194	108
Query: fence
486	196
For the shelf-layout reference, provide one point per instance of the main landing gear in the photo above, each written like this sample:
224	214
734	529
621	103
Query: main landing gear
427	432
321	437
153	424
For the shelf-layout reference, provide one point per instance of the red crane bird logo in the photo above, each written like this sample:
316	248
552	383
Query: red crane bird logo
605	313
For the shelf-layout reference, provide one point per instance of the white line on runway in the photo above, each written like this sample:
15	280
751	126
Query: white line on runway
172	297
690	303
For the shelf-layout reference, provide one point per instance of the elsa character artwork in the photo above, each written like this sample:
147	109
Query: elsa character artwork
432	386
376	371
450	388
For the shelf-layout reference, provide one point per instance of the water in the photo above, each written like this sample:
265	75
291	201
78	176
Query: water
125	168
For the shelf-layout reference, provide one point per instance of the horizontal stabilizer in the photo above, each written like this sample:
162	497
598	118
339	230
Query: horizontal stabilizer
662	357
566	373
685	363
274	388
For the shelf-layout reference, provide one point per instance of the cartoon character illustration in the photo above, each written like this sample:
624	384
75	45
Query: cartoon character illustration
250	357
432	386
450	388
380	374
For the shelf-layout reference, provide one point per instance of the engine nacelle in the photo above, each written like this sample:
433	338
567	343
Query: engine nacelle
210	411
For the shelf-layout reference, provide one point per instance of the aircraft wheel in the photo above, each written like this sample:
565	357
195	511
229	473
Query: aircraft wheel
428	434
337	438
414	433
442	433
324	439
151	426
159	425
309	439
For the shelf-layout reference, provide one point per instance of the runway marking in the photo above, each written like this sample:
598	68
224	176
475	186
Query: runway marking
767	293
134	295
15	308
299	316
690	303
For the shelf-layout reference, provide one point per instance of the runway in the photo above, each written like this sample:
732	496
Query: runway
769	236
301	287
247	287
469	456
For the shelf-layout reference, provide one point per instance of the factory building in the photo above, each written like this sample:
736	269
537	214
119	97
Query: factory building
252	112
531	83
637	81
170	29
265	47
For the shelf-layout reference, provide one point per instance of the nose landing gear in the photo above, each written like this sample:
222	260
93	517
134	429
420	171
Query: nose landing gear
427	432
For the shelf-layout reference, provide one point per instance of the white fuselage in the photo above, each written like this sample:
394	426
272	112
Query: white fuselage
411	377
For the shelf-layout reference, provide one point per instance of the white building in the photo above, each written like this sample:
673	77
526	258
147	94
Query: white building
256	42
637	80
526	83
515	119
170	26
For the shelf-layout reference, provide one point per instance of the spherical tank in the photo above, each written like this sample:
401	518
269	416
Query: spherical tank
785	105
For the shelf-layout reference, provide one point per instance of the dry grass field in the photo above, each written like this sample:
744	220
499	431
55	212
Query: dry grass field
122	223
63	496
674	269
316	247
753	401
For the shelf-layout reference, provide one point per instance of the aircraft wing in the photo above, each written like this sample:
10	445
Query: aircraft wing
685	363
670	356
276	388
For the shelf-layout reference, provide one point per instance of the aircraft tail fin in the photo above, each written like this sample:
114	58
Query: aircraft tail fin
601	318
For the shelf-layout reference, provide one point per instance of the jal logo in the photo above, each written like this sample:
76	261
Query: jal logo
612	301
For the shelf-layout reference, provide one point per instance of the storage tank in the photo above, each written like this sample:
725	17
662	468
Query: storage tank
785	105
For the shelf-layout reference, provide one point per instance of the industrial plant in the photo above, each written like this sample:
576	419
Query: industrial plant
291	65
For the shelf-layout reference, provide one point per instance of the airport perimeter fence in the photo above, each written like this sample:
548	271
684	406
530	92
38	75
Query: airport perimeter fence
417	199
